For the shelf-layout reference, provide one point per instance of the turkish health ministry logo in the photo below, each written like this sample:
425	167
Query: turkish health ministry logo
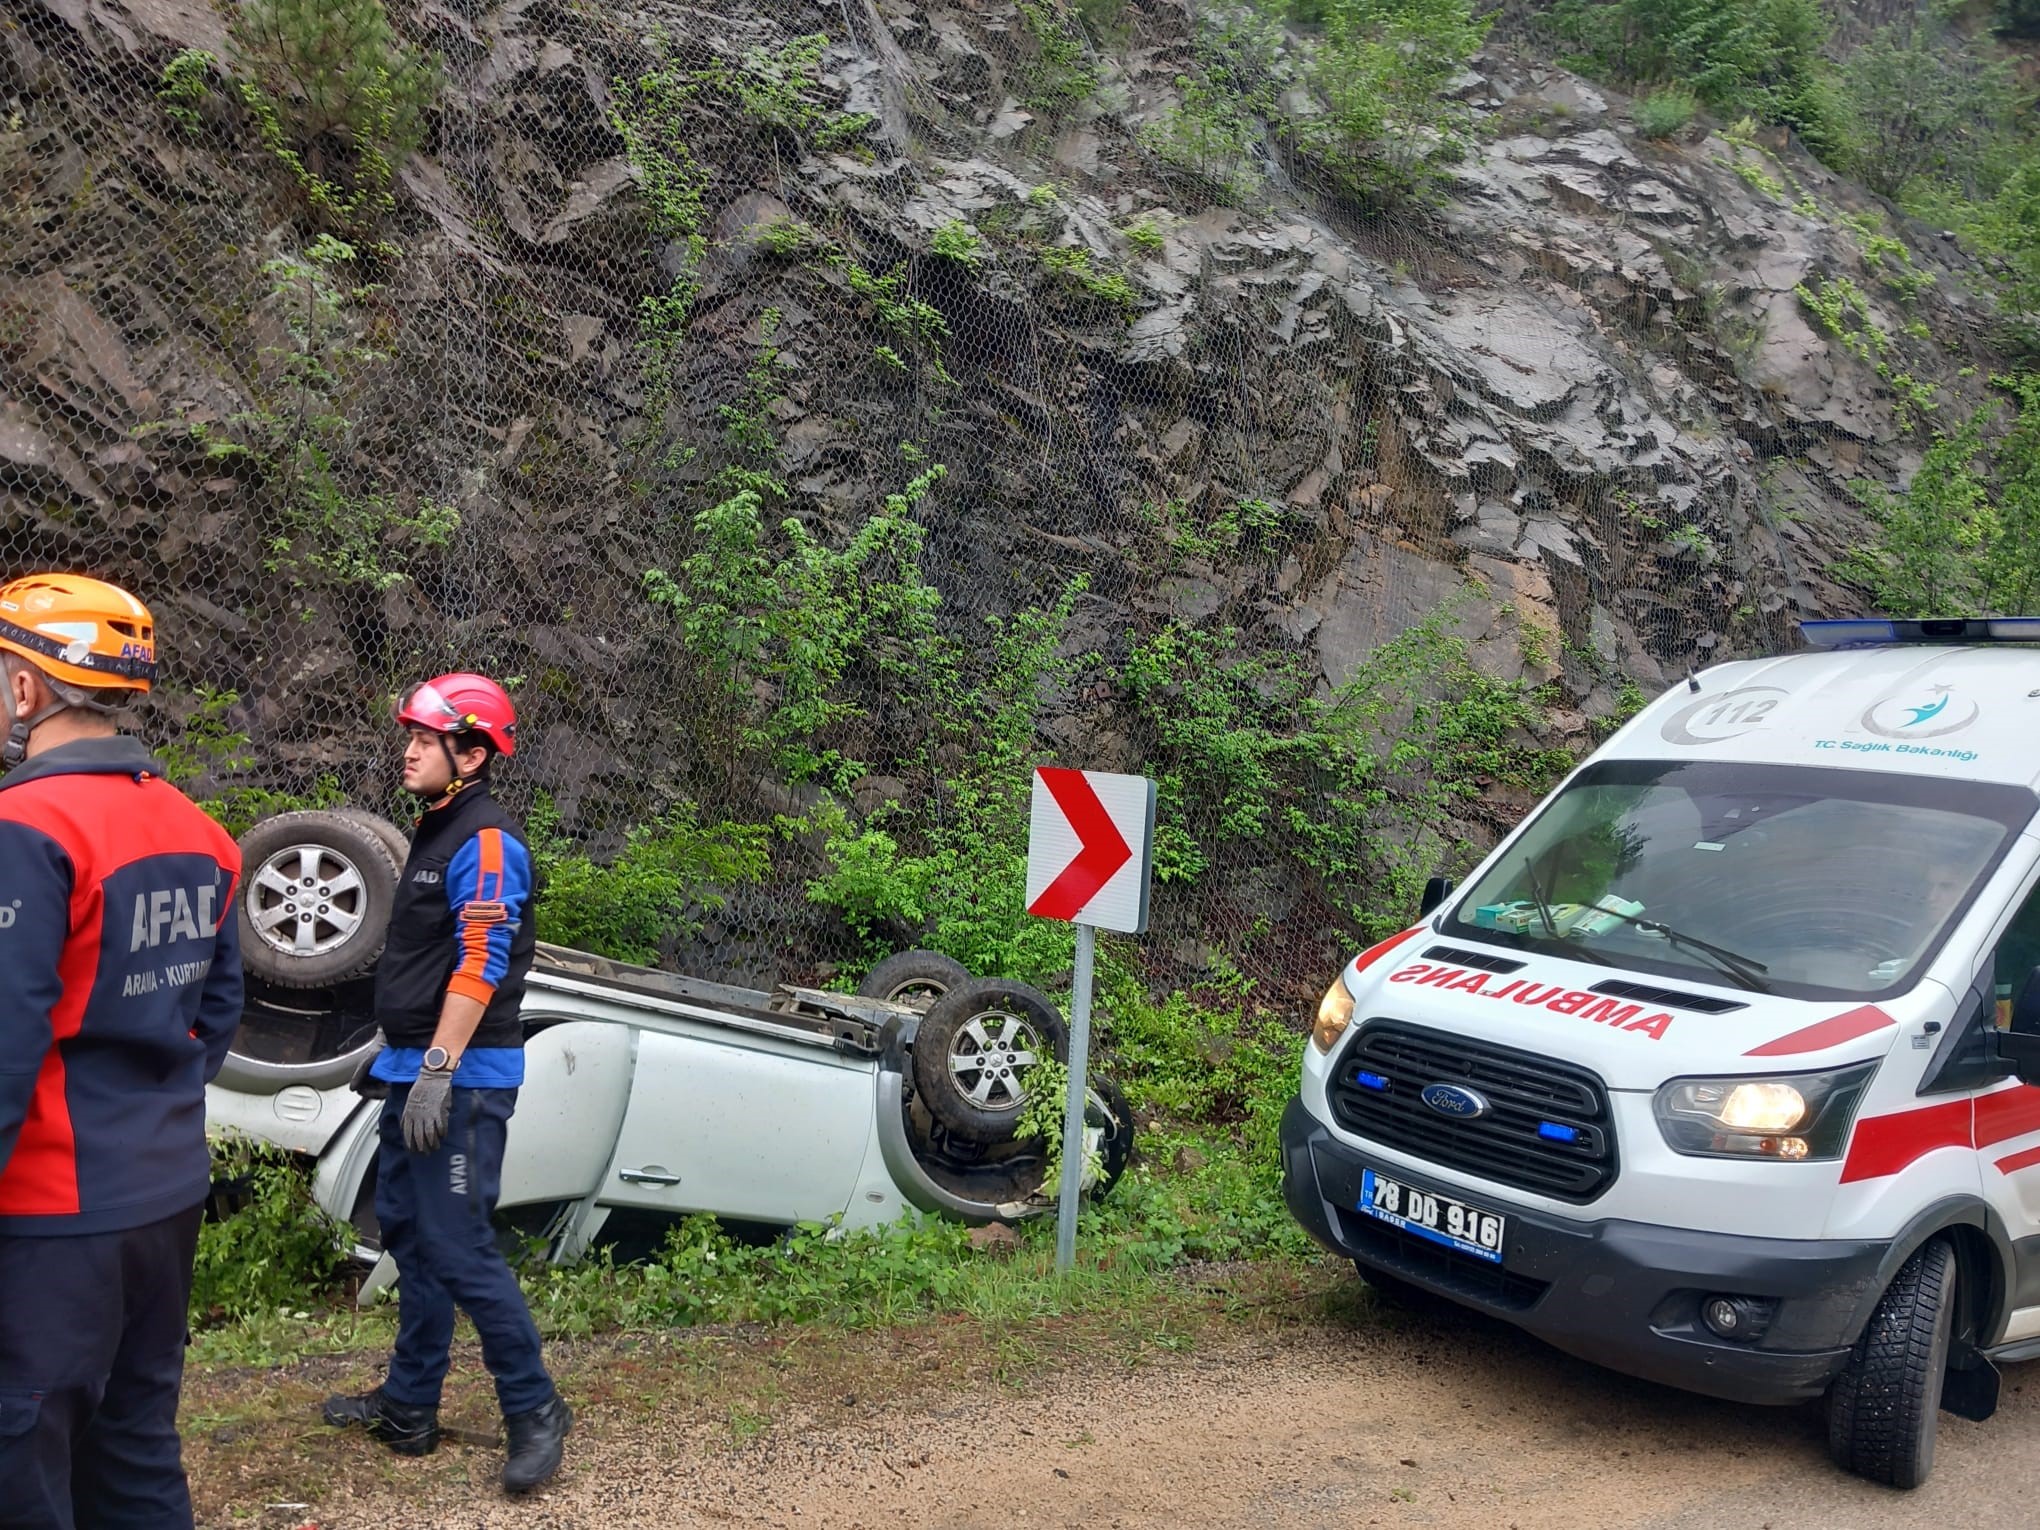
1933	711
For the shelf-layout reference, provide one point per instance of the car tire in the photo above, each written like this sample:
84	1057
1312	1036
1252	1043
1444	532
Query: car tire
973	1051
1884	1409
315	898
396	839
915	979
1115	1151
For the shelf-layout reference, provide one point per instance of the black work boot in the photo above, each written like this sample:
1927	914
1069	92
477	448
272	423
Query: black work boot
537	1440
407	1430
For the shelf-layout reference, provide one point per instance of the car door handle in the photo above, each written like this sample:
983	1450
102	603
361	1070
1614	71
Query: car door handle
651	1174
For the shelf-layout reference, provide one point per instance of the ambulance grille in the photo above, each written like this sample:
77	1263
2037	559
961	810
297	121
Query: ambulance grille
1547	1129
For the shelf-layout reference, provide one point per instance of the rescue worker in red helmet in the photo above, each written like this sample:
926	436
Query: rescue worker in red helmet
120	988
448	989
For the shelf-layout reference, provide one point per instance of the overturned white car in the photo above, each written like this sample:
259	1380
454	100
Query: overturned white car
648	1095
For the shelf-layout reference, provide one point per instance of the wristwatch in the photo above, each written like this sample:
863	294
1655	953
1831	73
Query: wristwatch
437	1060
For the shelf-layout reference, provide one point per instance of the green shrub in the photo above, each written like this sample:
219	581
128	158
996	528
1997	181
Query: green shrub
278	1250
956	241
338	96
669	876
1666	113
1763	57
1925	103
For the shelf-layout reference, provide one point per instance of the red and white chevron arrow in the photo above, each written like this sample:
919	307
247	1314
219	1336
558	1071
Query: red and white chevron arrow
1090	851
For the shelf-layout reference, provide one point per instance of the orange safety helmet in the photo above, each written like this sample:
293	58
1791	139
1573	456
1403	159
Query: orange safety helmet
79	632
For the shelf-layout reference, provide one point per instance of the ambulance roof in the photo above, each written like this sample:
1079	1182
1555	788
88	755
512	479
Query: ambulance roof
1969	712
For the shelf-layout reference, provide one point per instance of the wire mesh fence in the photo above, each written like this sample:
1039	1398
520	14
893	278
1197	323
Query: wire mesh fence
819	412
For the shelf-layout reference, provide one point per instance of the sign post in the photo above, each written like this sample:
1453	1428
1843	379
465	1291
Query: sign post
1090	859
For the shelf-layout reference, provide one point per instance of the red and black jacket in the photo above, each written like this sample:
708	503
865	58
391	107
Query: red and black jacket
120	988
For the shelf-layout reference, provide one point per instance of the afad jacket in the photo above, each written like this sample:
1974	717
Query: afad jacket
120	989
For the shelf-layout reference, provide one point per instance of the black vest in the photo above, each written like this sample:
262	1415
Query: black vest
411	977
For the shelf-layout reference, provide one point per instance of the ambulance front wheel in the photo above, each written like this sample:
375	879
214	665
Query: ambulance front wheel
1884	1409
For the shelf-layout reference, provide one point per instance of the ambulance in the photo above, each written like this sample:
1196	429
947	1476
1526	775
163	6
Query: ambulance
1718	1070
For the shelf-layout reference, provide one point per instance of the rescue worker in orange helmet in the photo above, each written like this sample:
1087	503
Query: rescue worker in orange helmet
449	989
122	988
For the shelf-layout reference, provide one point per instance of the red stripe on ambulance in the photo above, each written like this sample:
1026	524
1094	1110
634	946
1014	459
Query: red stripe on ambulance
1886	1144
1828	1033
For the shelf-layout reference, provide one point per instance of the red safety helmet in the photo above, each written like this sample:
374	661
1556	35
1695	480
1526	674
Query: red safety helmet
462	703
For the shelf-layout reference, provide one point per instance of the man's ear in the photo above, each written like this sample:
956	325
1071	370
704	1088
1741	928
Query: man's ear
22	700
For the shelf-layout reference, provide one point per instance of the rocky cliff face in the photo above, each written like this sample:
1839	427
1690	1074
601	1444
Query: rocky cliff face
1583	396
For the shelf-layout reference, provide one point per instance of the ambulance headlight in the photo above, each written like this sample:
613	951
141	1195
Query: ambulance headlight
1793	1118
1334	1014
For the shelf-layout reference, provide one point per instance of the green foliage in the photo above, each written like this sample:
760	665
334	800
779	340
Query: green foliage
1381	68
1073	267
1844	312
778	92
1360	788
953	877
788	238
186	83
1964	536
782	627
320	527
277	1251
650	116
1061	74
1146	236
1667	112
1043	1119
1212	130
956	241
338	98
1763	57
209	749
1925	103
913	320
669	877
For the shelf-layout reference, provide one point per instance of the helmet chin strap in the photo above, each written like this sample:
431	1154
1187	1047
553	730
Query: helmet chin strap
457	783
16	748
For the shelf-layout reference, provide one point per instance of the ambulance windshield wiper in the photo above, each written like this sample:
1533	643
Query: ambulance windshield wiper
1745	970
1573	943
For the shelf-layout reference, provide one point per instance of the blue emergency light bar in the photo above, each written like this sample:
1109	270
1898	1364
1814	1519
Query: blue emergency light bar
1872	631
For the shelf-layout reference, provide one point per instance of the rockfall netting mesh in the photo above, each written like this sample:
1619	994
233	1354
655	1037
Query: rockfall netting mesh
818	412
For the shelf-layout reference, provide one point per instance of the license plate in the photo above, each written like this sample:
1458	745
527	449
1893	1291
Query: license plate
1437	1217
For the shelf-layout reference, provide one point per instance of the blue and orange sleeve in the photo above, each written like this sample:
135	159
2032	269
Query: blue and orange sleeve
488	882
35	925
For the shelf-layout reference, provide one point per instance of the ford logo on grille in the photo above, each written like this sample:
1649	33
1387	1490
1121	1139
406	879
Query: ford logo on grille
1455	1100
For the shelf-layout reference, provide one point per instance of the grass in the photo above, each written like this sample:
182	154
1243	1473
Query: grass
250	1419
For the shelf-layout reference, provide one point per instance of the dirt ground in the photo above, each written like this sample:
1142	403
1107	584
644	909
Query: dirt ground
1366	1416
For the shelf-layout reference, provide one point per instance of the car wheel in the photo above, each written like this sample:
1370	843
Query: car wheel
315	898
396	839
1115	1148
974	1050
915	979
1884	1409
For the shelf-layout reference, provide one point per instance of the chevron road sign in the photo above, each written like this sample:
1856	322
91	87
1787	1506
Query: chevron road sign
1090	858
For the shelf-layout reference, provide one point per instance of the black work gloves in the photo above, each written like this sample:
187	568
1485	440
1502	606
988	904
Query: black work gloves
426	1111
369	1088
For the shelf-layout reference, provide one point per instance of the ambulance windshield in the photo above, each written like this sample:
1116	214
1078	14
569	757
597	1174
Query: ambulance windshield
1824	884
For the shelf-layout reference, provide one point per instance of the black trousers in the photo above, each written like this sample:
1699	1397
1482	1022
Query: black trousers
92	1332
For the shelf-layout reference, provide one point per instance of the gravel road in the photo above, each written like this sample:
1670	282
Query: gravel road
1412	1420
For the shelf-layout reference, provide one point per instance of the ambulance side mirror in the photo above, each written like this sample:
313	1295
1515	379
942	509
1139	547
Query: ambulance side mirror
1436	891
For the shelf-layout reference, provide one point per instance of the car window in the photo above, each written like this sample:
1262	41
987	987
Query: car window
2018	953
1838	884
